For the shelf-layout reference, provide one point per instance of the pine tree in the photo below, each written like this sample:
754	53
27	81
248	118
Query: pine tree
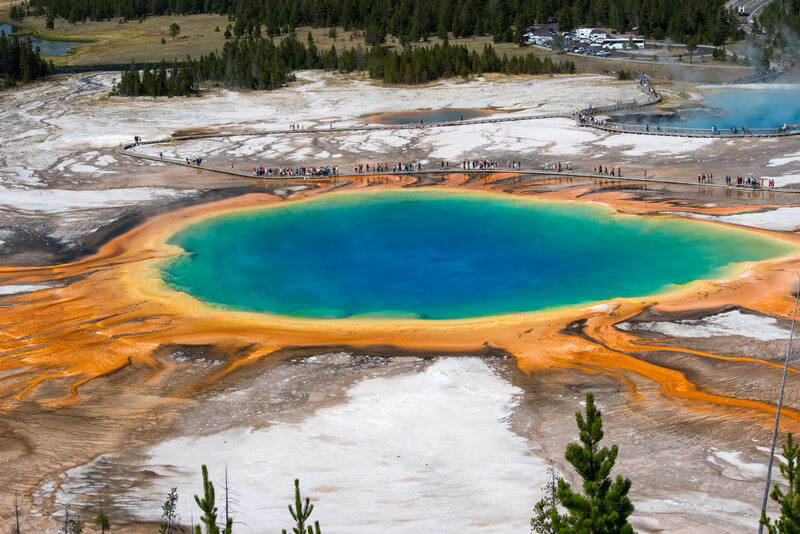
604	506
76	526
545	512
102	520
16	13
301	514
170	520
209	508
691	47
789	520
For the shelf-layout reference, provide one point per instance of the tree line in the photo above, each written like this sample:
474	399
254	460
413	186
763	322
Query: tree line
781	20
419	65
165	80
210	521
258	63
20	61
706	21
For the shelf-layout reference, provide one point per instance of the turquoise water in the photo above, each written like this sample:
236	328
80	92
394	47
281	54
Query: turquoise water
430	116
758	106
46	48
443	255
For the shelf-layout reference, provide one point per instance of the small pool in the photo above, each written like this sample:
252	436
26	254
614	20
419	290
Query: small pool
46	48
425	116
744	106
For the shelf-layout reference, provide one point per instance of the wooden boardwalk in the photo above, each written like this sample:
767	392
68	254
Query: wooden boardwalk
128	150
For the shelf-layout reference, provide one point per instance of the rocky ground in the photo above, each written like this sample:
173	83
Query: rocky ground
381	439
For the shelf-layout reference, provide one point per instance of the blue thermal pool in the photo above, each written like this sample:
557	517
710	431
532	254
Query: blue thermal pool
752	106
444	255
429	116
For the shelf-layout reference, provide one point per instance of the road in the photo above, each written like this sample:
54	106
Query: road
752	7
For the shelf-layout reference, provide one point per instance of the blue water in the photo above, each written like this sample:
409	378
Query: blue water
430	116
757	106
46	48
443	255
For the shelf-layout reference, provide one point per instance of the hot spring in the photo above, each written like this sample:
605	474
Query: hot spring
444	255
743	106
429	116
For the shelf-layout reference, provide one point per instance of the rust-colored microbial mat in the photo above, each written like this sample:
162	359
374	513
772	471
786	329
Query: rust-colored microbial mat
112	309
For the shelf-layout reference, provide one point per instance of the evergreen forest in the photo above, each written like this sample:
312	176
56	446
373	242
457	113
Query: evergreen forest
781	20
20	61
705	21
258	63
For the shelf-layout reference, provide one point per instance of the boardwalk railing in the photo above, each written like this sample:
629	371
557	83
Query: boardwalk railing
585	118
689	132
621	106
763	77
603	179
650	98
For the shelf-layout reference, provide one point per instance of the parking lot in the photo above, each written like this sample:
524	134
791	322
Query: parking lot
602	44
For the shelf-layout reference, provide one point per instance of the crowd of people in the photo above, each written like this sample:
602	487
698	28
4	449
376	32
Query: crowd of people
646	88
556	167
414	166
605	171
359	168
739	181
744	130
590	119
755	183
479	164
482	164
474	164
301	171
644	85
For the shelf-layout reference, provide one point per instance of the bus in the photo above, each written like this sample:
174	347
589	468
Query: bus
622	43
